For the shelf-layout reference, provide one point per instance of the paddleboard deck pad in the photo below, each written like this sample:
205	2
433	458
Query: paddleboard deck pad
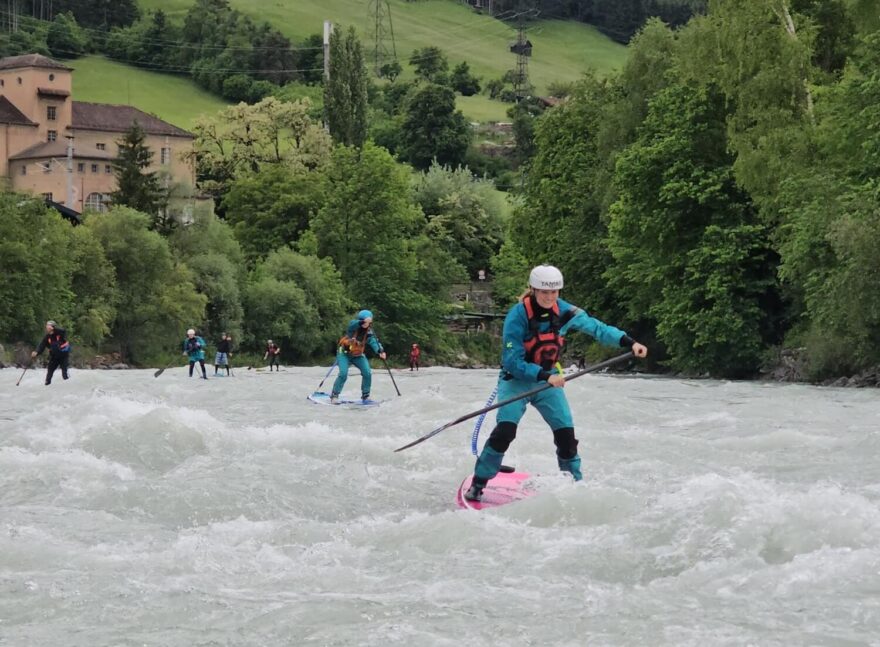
503	489
320	397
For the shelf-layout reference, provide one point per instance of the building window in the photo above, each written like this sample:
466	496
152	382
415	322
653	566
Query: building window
81	167
96	202
101	147
50	113
47	196
47	167
19	80
2	83
52	135
166	156
24	169
51	77
94	168
108	168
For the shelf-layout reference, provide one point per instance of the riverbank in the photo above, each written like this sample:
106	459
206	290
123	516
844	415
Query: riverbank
789	366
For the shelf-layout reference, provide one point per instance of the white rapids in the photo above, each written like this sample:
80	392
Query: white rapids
177	512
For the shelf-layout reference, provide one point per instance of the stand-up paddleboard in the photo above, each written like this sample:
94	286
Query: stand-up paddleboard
503	489
319	397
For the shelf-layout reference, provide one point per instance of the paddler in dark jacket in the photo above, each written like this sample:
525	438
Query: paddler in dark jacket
59	350
224	352
352	346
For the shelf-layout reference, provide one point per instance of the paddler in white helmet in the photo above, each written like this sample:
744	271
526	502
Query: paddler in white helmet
532	340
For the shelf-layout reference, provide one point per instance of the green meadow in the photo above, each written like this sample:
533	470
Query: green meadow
173	98
563	50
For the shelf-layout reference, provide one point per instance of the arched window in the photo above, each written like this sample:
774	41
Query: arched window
96	202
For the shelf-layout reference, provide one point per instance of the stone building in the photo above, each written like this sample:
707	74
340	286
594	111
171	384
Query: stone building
63	149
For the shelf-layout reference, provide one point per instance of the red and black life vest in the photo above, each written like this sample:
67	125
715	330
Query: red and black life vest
544	348
57	343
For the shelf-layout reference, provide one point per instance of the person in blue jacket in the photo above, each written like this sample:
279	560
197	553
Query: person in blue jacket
194	347
532	340
352	346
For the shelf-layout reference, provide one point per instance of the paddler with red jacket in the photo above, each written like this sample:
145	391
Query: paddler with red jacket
59	350
532	340
352	346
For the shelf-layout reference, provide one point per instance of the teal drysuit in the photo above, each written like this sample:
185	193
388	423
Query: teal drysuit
519	375
195	348
344	358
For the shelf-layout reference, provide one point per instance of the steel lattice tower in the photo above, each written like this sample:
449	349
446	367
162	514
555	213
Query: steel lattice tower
383	33
522	87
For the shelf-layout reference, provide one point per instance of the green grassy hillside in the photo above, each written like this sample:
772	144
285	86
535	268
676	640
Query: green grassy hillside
562	49
175	99
562	52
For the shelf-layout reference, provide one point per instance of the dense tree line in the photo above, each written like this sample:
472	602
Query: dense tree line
224	50
88	13
310	233
619	19
719	194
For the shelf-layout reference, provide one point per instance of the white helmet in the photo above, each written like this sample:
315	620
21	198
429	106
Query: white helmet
546	277
190	332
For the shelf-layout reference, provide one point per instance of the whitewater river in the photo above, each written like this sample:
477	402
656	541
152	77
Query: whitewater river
178	512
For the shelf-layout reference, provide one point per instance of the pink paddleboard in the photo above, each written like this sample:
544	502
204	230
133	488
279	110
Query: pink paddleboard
501	490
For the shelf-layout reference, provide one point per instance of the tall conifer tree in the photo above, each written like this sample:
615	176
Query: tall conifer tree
136	187
345	92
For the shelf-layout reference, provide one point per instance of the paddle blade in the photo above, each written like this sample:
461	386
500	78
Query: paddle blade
159	372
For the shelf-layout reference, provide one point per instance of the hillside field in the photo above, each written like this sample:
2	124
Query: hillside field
175	99
562	51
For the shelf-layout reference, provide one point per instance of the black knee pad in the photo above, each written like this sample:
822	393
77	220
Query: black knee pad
502	436
566	443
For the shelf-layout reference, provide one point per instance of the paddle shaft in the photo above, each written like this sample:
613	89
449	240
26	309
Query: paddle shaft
326	376
391	375
22	374
388	368
526	394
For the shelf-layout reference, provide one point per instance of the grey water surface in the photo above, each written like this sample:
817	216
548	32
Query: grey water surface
179	512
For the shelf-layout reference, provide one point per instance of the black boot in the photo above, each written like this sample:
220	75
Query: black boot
475	491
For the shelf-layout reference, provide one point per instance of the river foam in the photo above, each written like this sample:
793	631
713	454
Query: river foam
173	511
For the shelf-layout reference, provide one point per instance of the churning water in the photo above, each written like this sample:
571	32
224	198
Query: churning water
178	512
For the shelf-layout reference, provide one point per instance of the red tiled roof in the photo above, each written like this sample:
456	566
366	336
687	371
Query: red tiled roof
59	149
31	60
9	114
114	118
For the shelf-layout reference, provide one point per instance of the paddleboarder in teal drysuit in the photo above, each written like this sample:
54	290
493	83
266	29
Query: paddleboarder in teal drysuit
194	348
532	340
352	346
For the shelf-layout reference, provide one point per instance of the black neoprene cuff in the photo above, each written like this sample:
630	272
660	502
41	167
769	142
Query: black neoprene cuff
543	376
626	341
